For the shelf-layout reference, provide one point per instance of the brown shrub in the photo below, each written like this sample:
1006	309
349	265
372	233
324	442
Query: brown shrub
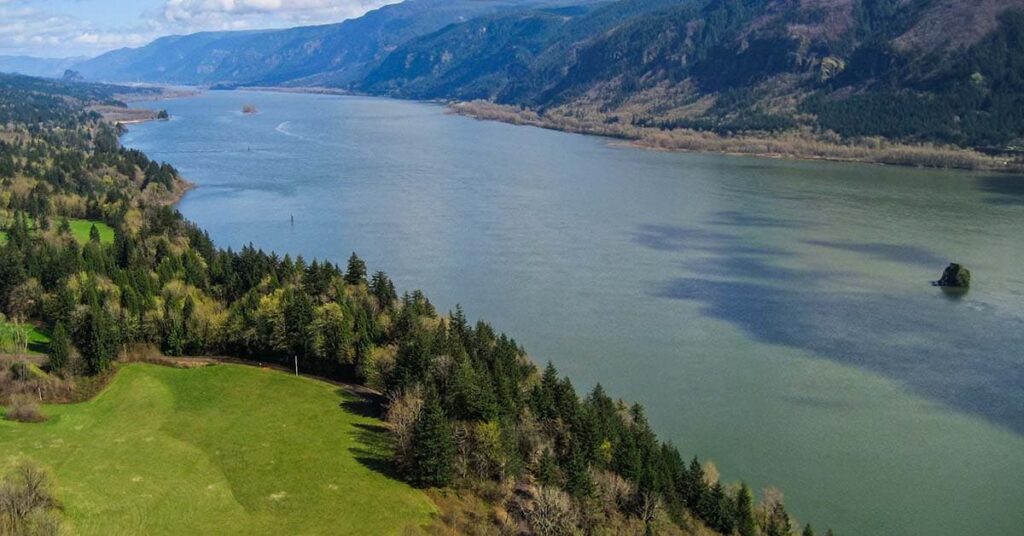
27	504
23	408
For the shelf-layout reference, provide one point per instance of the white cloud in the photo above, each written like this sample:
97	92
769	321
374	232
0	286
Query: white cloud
46	31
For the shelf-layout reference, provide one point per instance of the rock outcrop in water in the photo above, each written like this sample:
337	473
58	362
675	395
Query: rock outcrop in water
954	276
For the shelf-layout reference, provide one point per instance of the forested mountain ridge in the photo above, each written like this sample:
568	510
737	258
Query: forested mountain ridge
327	55
837	71
946	71
467	409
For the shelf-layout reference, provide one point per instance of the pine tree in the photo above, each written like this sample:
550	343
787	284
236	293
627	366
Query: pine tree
745	512
94	234
577	474
434	448
547	470
808	531
60	347
356	272
97	338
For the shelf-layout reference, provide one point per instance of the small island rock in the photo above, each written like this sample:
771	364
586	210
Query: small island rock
955	276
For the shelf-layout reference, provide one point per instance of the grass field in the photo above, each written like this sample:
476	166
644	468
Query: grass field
37	339
223	449
80	230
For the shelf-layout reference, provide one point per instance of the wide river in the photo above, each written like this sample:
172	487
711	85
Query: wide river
773	316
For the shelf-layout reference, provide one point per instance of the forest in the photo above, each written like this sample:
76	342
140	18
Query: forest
465	406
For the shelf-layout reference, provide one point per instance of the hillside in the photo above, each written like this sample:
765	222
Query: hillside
855	67
468	411
333	54
174	451
839	71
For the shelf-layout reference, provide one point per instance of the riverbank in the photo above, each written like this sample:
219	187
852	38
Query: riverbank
801	145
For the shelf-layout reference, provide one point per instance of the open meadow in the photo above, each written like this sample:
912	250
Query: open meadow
221	449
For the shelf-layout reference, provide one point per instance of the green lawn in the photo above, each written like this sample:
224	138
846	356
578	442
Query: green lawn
37	339
216	450
80	230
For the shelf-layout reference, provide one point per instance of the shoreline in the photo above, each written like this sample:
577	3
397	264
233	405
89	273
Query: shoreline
799	146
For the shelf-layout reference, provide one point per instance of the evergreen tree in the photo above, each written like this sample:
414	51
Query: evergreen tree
60	347
745	512
94	234
577	474
356	272
778	523
547	469
383	289
97	338
434	448
808	531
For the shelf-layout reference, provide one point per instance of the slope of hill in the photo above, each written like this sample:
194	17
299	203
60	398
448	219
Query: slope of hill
333	54
173	451
855	67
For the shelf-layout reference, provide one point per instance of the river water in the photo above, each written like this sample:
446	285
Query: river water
773	316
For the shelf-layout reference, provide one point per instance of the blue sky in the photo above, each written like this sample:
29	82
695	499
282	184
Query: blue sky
62	28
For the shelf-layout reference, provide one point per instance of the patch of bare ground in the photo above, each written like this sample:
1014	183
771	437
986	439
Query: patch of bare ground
122	115
797	144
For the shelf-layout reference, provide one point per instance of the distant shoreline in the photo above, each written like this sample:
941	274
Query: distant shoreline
795	145
791	145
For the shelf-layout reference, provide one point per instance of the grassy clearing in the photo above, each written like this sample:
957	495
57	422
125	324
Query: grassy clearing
38	340
223	449
80	230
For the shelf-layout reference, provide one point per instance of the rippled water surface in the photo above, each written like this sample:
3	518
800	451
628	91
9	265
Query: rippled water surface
773	316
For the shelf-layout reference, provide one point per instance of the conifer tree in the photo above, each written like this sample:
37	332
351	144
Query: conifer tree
434	448
356	272
745	512
60	347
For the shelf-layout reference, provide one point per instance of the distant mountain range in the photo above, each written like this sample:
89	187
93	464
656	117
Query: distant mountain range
949	71
30	66
336	55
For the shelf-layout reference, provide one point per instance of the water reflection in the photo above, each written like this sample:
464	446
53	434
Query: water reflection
1006	189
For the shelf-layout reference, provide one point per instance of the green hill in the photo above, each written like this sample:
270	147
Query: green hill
216	450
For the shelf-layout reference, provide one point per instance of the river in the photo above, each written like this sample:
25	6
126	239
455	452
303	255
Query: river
773	316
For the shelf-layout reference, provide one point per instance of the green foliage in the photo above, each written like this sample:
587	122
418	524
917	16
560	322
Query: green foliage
158	280
745	512
97	338
356	271
433	458
60	348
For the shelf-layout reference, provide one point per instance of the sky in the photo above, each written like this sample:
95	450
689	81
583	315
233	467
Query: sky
66	28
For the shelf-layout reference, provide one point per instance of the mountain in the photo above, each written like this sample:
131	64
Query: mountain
32	66
333	54
915	70
945	71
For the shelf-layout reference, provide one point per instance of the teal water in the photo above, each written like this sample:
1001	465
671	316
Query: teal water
772	316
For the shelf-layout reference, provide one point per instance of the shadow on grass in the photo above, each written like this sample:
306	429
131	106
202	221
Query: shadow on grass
362	404
374	450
